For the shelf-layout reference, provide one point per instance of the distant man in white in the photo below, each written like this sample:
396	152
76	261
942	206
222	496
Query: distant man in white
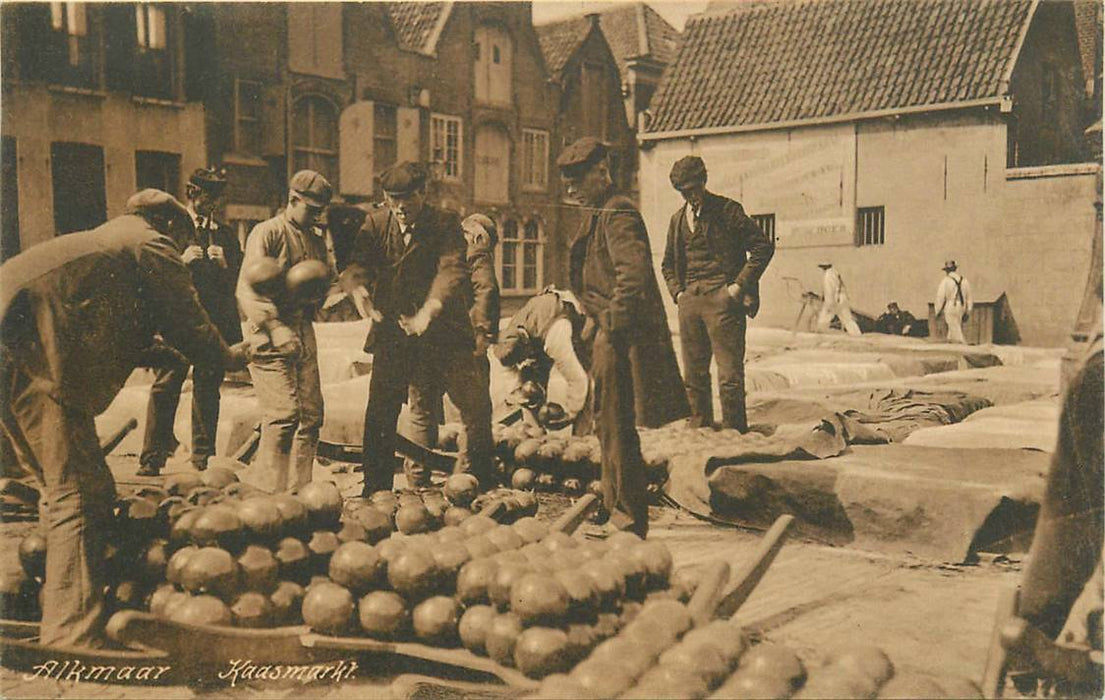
836	302
953	299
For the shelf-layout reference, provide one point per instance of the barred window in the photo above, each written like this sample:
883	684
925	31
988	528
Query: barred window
766	222
871	226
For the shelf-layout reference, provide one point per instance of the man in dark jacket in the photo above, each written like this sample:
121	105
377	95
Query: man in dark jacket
79	312
712	264
214	258
408	267
426	408
610	267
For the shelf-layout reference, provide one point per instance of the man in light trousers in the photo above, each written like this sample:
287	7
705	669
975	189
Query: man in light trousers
284	366
835	302
954	301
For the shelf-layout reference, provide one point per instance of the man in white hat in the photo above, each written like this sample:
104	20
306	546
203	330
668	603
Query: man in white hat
835	302
954	301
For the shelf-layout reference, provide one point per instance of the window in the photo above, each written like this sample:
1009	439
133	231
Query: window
493	55
385	142
315	137
315	38
247	116
9	200
766	222
158	170
152	76
445	141
77	170
535	159
870	226
520	264
56	43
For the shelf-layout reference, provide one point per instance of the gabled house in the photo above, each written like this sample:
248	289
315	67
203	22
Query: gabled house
886	138
348	89
644	44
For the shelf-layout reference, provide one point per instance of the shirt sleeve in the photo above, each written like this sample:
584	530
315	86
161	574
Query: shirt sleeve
559	346
181	319
259	310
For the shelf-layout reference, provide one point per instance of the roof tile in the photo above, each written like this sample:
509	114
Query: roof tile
791	60
414	22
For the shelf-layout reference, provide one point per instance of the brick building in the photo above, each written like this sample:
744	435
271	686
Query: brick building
102	99
350	89
887	138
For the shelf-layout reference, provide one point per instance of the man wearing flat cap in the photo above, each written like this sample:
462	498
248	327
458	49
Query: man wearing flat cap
213	257
78	314
408	266
713	261
611	273
284	367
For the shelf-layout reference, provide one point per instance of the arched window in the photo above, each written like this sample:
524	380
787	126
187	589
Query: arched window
494	62
315	137
521	259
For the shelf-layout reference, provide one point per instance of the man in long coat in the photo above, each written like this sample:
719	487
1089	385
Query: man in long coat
79	313
408	268
612	275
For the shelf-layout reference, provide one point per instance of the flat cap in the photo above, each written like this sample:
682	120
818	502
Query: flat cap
403	179
210	179
824	264
581	154
151	201
688	171
312	186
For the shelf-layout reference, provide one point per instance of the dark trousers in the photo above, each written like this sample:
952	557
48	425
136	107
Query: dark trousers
712	324
624	480
159	442
399	362
426	412
59	447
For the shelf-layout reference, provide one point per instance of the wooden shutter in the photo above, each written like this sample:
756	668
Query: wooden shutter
355	133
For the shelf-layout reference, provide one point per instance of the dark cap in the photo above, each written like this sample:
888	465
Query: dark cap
825	265
312	186
579	156
210	179
688	171
155	202
406	178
